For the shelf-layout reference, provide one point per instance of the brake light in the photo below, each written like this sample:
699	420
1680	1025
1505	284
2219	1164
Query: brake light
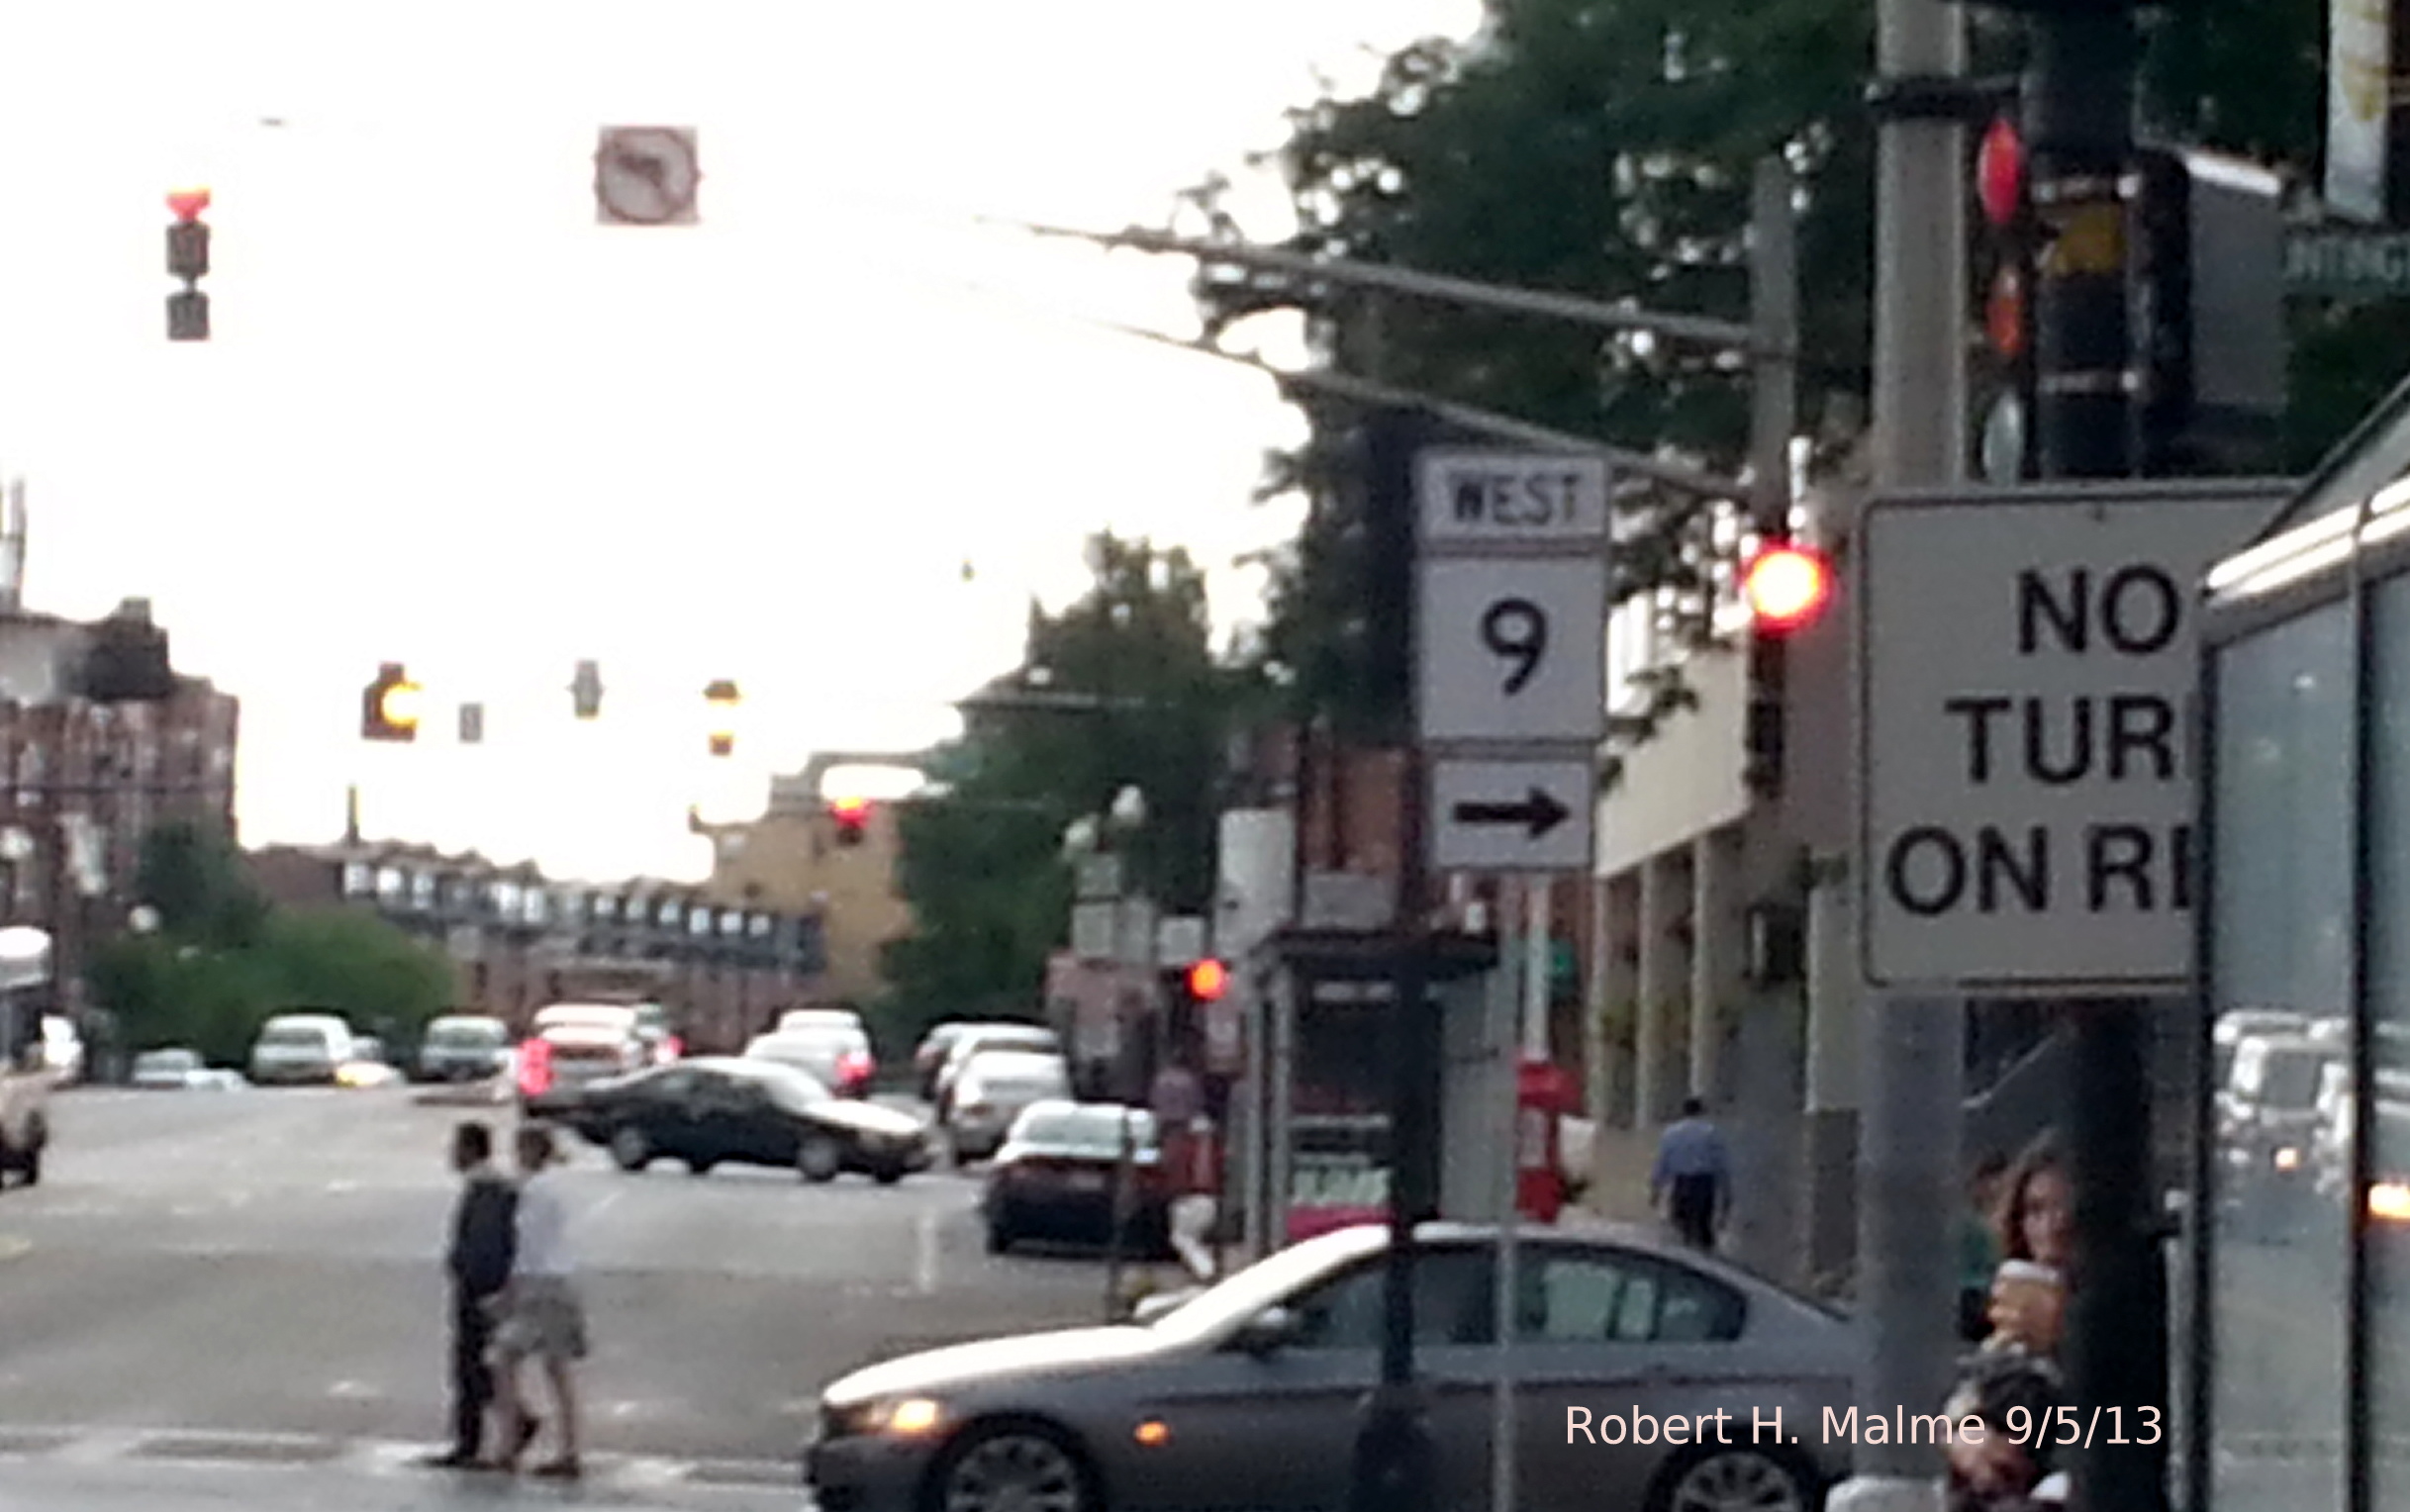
535	1067
855	1066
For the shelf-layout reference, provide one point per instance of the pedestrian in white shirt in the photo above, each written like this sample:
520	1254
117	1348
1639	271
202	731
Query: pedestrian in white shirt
540	1311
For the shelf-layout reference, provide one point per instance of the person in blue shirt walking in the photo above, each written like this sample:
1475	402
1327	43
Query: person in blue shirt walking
1693	1177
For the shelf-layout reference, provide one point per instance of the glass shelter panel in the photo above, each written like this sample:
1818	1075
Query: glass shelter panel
2279	952
2387	970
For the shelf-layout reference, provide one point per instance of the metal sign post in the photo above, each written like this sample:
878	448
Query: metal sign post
1511	685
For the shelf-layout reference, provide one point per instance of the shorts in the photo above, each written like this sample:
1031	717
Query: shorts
545	1319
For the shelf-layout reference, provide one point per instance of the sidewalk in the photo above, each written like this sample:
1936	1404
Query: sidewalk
1618	1166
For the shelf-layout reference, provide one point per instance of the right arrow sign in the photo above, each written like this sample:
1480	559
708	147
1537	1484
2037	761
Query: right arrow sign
1495	815
1538	812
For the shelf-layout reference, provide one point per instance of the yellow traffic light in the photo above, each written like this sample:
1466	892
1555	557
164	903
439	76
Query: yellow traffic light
723	699
389	707
400	705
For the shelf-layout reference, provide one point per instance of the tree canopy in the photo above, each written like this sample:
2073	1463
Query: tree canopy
1121	689
224	957
1604	147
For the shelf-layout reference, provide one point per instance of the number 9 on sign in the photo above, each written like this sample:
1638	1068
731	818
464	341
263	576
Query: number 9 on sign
1513	648
1516	632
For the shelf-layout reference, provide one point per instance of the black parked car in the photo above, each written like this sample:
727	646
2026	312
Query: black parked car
719	1109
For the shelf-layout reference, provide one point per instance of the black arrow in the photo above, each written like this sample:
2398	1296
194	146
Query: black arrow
1540	813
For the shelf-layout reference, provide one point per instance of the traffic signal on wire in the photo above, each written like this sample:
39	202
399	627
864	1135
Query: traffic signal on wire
188	260
723	699
851	816
586	691
388	706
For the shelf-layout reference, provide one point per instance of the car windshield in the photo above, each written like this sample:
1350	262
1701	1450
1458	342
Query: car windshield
168	1060
292	1037
466	1034
2290	1079
789	1087
1090	1129
1267	1283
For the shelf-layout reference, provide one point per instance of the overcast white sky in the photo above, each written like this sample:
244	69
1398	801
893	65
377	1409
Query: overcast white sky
449	420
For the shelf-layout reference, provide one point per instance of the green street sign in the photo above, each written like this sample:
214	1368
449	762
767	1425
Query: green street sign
2366	264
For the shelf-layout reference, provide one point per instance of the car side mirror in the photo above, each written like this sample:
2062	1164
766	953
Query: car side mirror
1269	1331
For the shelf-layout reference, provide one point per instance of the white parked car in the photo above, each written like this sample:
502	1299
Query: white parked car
302	1048
180	1071
992	1089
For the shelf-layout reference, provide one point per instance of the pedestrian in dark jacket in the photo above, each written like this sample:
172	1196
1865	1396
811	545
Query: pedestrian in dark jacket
484	1243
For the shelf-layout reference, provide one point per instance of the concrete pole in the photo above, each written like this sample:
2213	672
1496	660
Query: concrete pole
1506	1117
1654	1092
1714	960
1908	1159
1537	898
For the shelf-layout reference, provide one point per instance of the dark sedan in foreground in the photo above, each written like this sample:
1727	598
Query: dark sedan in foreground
1247	1394
720	1109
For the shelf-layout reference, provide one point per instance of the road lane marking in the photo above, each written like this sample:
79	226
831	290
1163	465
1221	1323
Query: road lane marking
924	1271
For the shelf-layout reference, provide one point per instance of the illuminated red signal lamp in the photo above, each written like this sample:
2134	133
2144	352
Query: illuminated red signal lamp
1999	173
1209	979
187	204
1787	587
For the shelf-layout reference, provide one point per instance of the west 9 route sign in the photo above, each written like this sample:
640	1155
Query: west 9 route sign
2027	669
1511	656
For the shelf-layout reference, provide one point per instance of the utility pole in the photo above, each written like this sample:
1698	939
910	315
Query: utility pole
1395	1463
2078	101
1907	1162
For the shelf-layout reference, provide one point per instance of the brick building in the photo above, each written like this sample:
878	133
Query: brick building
520	940
82	781
789	859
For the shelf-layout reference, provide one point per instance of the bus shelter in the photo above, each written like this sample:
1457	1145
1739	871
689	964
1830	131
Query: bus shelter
2297	1370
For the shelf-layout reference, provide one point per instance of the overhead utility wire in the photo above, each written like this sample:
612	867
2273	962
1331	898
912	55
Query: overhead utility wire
1364	390
1463	416
1571	308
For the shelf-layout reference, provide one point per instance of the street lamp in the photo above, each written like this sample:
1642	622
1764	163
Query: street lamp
145	920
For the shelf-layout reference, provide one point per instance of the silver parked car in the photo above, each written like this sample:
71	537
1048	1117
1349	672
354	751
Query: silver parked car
992	1090
1247	1394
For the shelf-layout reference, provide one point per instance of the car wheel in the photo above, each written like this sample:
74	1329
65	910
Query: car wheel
1023	1468
886	1172
819	1159
632	1148
29	1167
1000	1239
1732	1480
700	1167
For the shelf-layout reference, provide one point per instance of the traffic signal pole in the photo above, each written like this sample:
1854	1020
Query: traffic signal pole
2079	129
1913	1047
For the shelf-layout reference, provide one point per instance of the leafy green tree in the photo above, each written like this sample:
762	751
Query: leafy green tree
223	959
378	975
1120	689
1600	147
195	880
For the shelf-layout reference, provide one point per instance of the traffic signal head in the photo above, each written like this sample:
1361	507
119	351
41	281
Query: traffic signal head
2005	264
388	706
723	696
188	262
586	690
851	816
1786	586
1209	979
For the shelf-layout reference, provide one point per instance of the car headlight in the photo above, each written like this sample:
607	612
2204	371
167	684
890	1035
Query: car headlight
2288	1157
902	1416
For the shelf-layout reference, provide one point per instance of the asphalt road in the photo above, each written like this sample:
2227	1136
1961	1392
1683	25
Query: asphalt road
245	1284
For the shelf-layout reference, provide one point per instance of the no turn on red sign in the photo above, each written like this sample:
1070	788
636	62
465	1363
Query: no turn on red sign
2027	665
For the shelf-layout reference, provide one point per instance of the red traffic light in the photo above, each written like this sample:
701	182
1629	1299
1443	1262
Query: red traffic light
1999	173
853	816
1209	979
1786	586
187	204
